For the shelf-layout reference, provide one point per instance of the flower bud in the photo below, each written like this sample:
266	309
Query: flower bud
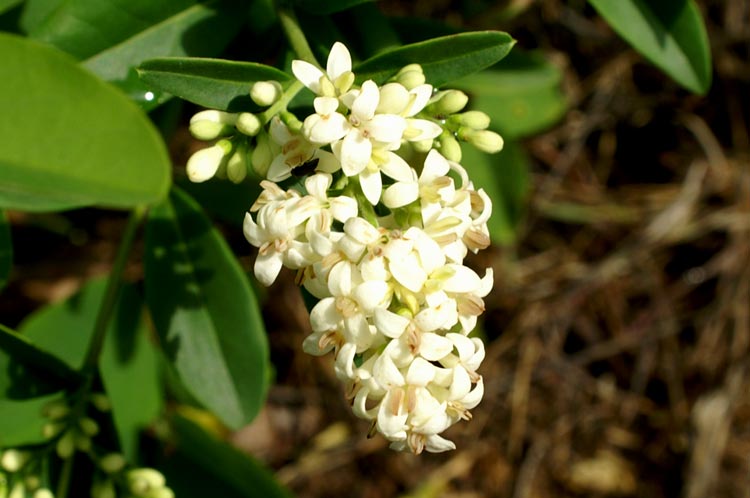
248	124
32	482
13	459
88	426
112	463
449	102
262	155
450	148
203	164
477	120
265	93
56	410
82	442
43	493
144	480
211	124
162	493
101	402
52	429
423	146
3	485
18	491
237	165
484	140
103	489
411	76
66	445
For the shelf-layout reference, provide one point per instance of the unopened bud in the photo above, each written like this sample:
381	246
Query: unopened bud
112	463
449	102
12	459
144	480
88	426
82	442
474	119
450	148
66	445
248	124
262	155
265	93
101	402
18	491
411	76
103	489
484	140
32	482
237	165
56	410
52	429
203	164
162	493
211	124
43	493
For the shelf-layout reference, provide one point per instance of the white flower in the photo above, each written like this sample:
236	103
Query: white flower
396	99
295	152
337	78
432	187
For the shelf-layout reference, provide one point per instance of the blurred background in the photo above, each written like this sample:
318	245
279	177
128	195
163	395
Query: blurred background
618	330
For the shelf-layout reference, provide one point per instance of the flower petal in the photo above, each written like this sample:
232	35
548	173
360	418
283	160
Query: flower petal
363	107
372	185
394	98
267	267
400	194
398	169
390	324
339	61
355	152
386	128
308	74
324	316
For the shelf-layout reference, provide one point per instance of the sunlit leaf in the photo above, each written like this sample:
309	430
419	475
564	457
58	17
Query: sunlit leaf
212	83
669	33
443	59
69	139
521	94
204	311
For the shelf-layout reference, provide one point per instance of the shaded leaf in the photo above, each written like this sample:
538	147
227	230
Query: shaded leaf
521	94
443	59
6	5
36	11
22	421
505	178
212	83
67	151
204	311
6	250
322	7
223	199
203	465
669	33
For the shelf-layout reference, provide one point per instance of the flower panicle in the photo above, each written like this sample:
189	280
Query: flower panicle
366	199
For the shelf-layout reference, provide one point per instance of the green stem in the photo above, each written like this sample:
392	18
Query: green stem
113	288
66	473
296	37
280	105
366	210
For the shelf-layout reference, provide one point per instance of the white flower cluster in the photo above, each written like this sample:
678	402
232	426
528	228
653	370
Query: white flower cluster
378	229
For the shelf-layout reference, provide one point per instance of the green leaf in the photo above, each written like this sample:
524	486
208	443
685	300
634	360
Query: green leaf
521	94
212	83
73	140
6	250
443	59
669	33
35	12
505	178
28	369
6	5
202	29
323	7
129	367
222	199
205	466
204	311
22	421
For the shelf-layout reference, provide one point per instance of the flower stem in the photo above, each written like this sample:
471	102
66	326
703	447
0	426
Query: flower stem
280	105
66	473
111	292
296	37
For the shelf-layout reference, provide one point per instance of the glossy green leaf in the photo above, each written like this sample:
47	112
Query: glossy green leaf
199	30
443	59
669	33
6	250
22	421
205	312
505	178
322	7
128	365
35	12
521	94
205	466
212	83
222	199
6	5
69	139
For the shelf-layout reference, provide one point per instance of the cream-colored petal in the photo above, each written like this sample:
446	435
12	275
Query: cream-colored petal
339	61
308	74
